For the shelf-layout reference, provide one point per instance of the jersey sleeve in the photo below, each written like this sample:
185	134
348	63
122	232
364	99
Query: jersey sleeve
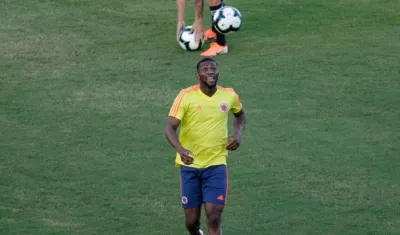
236	104
178	109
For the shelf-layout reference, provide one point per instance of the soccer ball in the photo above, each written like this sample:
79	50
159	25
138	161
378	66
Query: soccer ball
227	20
187	40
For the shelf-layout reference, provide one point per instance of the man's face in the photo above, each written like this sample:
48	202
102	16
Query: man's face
208	73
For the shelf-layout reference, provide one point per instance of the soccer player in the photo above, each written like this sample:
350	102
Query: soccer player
217	47
202	148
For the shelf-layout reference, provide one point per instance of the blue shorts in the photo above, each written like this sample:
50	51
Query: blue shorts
204	185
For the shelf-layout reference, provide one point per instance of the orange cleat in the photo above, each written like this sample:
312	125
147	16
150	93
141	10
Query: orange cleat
209	34
215	50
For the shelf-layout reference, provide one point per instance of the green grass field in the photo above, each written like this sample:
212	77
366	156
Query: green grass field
85	87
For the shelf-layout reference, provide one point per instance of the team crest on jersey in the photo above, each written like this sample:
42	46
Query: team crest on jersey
184	200
223	107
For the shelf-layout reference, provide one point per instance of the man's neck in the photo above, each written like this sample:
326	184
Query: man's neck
207	90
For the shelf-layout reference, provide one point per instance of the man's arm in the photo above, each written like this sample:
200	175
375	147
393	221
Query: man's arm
239	122
181	6
170	133
176	113
199	6
198	20
172	137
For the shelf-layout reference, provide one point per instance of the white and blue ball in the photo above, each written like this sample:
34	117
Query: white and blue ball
227	20
187	40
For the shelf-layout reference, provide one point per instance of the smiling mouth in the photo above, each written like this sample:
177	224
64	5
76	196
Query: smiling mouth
211	81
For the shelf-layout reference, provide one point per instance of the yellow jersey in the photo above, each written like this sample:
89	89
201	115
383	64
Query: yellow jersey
204	124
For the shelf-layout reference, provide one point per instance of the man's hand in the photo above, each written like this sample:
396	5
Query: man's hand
179	27
186	156
233	142
198	31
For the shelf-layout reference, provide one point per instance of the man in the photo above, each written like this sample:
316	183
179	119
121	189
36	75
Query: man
202	111
217	47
